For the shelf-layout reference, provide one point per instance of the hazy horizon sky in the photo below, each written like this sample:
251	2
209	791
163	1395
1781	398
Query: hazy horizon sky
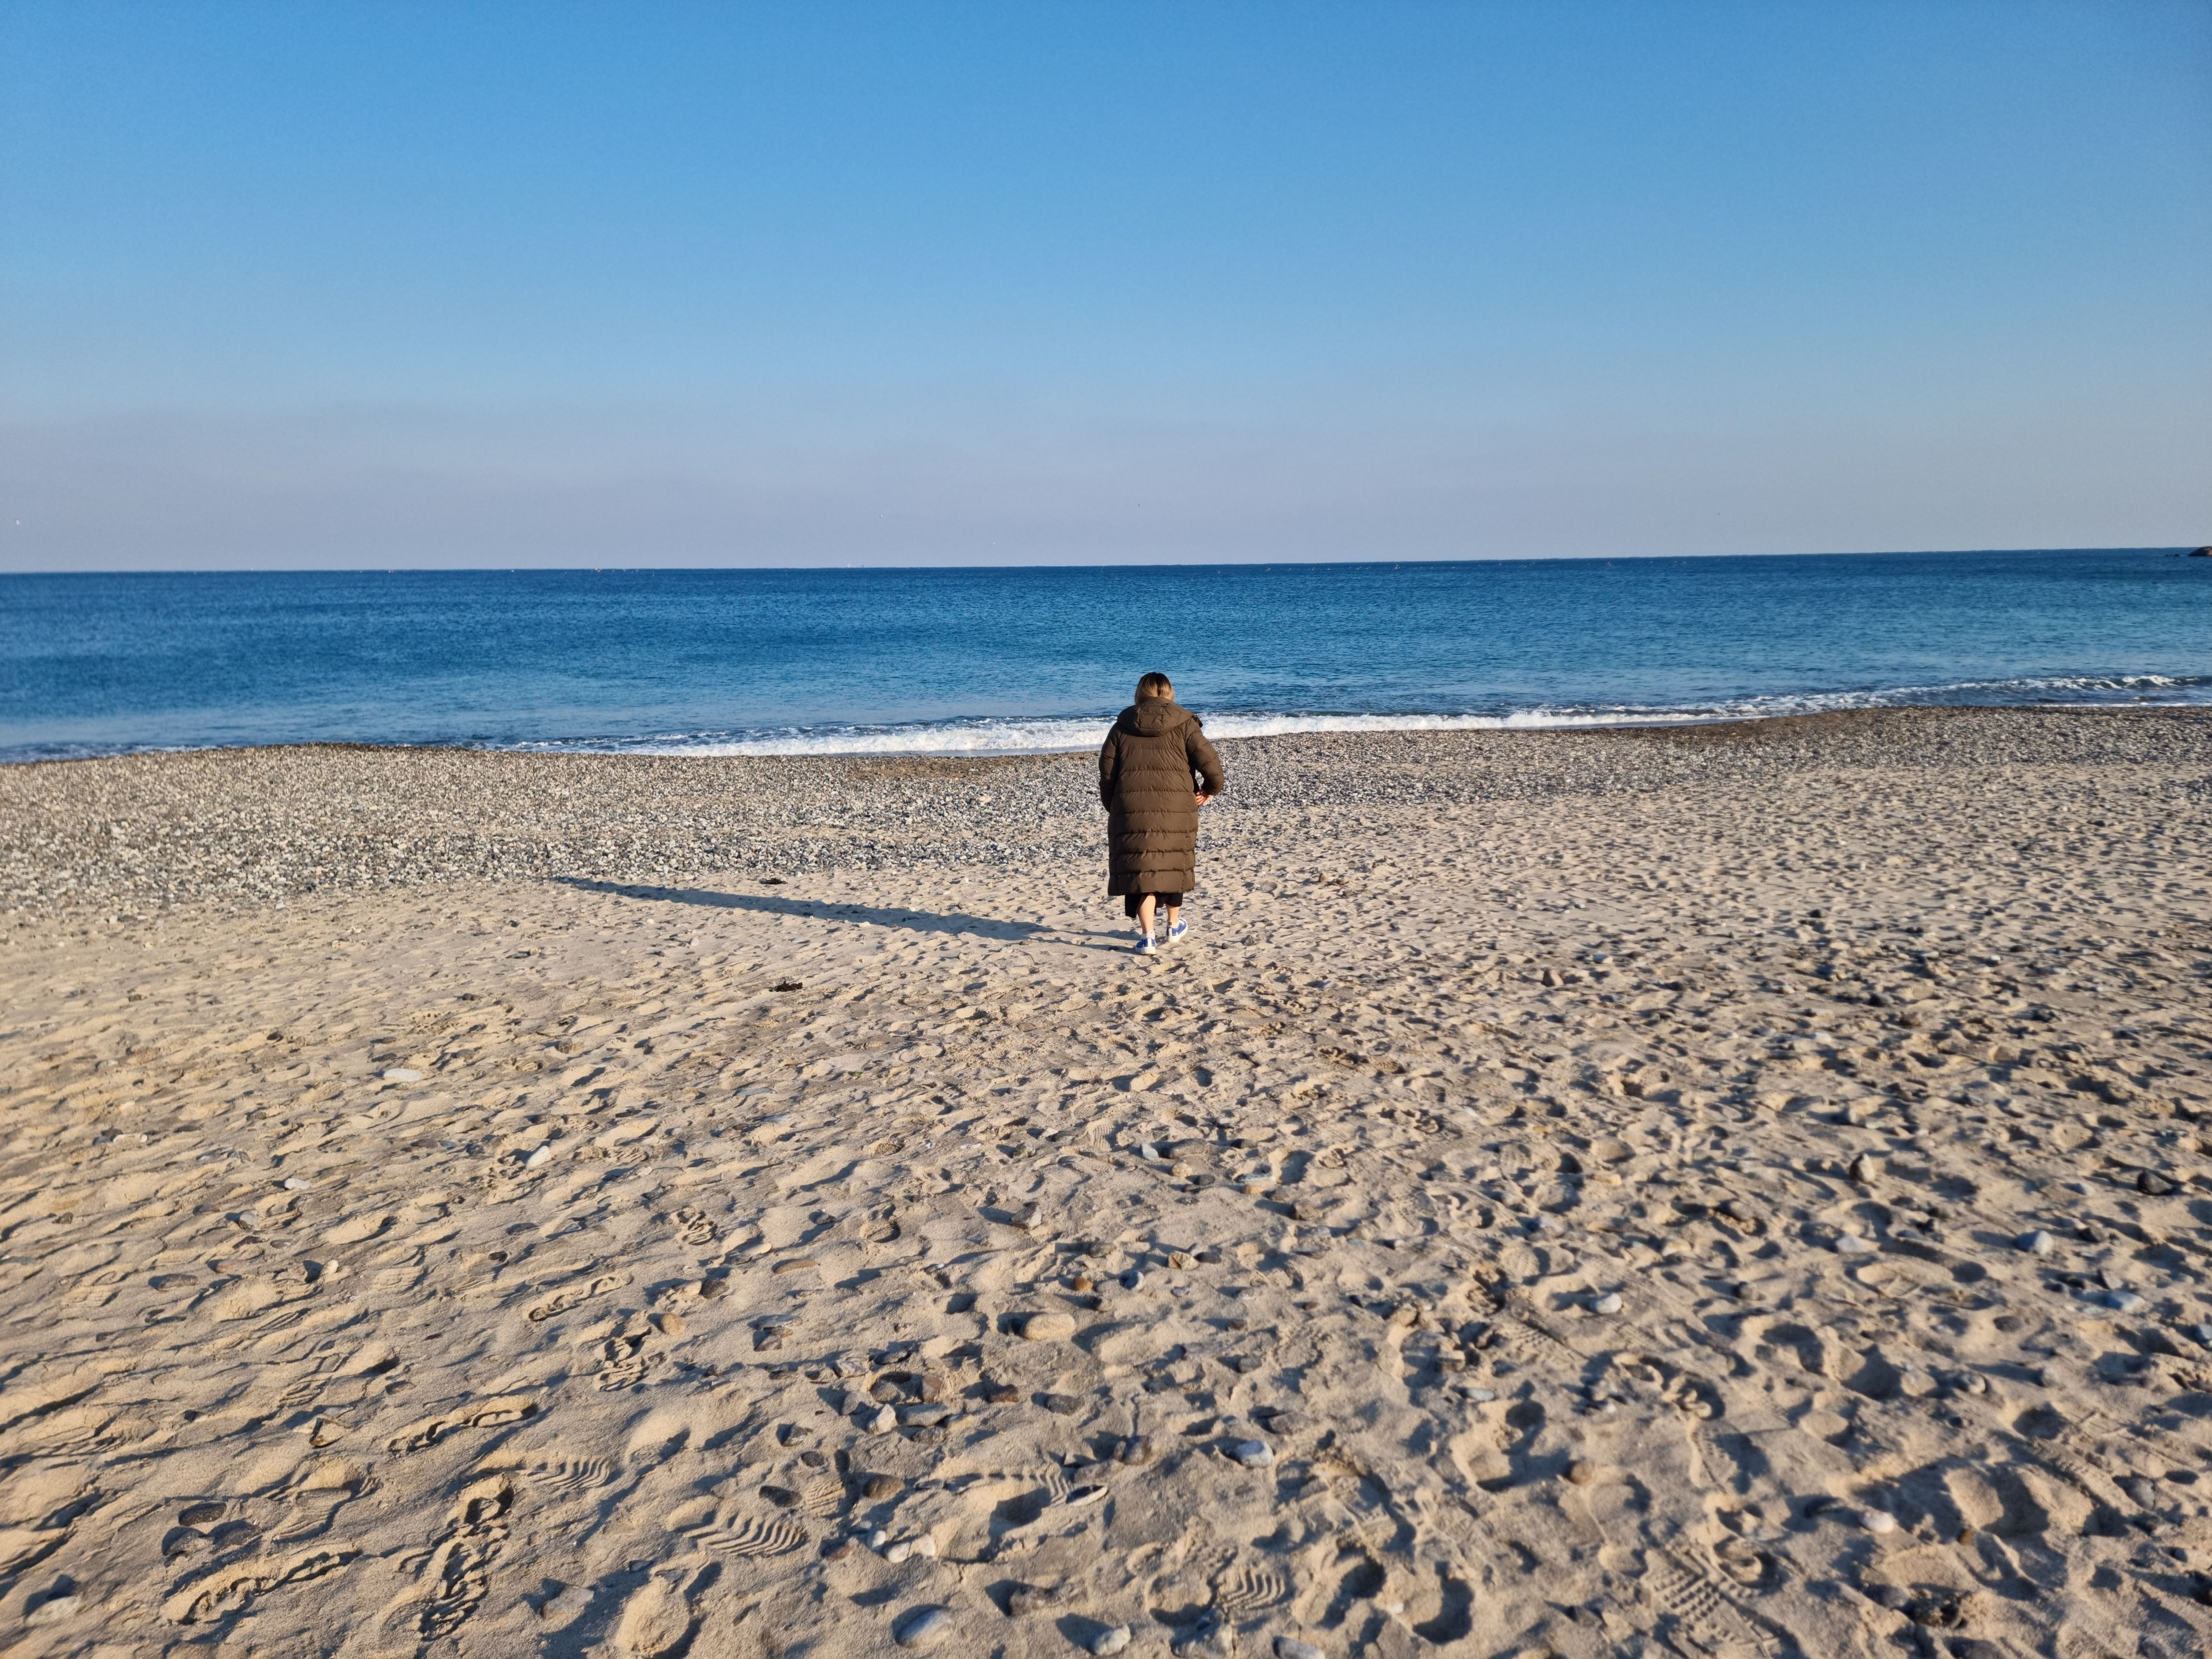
389	285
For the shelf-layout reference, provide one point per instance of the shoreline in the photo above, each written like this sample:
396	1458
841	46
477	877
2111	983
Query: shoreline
1353	726
264	824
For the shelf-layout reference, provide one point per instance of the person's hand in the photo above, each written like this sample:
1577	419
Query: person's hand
1203	798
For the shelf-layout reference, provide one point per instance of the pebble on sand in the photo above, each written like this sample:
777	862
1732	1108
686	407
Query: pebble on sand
919	1629
2038	1243
1253	1454
1289	1647
1110	1640
402	1074
1852	1244
1049	1327
1877	1521
1137	1450
1608	1304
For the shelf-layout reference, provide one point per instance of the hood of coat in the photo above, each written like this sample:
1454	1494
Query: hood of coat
1153	716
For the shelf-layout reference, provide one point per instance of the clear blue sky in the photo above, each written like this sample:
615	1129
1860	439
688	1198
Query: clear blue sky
316	284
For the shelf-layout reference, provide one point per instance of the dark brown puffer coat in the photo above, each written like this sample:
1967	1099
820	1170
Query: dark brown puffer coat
1154	760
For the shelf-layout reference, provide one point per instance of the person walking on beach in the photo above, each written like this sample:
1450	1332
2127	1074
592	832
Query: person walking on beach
1155	770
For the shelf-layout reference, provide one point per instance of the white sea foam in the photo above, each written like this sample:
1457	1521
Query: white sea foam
1015	736
1035	737
1011	735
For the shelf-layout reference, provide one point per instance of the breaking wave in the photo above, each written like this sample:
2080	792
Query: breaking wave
1018	736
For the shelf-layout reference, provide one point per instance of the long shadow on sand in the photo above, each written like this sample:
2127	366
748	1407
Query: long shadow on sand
775	905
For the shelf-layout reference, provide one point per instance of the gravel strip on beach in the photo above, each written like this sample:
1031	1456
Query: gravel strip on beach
139	832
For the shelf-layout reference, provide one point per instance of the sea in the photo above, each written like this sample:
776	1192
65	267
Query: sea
1000	660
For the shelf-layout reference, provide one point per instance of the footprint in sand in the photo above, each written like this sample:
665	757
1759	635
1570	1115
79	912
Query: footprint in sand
1359	1577
693	1229
562	1301
1454	1615
622	1360
481	1413
1246	1588
457	1571
1693	1396
747	1538
657	1619
229	1589
571	1475
1699	1609
82	1430
1748	1567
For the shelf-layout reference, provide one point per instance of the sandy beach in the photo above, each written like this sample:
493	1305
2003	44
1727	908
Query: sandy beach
1732	1190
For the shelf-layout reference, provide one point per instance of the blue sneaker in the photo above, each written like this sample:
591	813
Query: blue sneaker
1177	931
1145	947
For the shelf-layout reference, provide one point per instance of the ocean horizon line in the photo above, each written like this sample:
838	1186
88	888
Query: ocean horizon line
2178	549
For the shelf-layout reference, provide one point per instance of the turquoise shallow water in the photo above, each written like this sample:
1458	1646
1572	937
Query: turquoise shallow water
751	661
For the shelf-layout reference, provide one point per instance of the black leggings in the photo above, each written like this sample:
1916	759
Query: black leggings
1167	902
